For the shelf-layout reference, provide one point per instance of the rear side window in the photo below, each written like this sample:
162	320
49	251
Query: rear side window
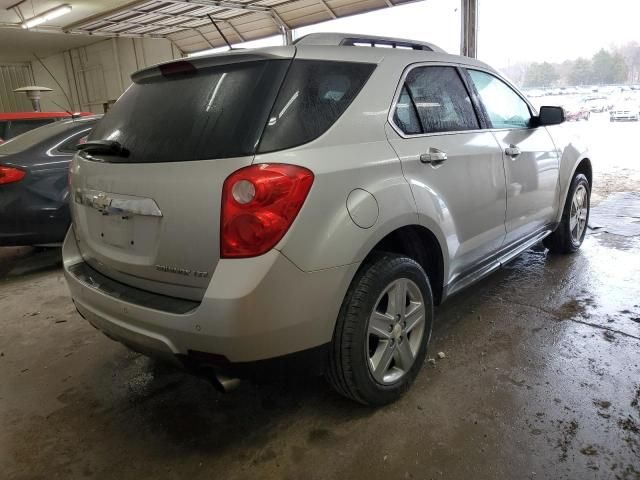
314	95
406	115
208	113
506	109
18	127
438	98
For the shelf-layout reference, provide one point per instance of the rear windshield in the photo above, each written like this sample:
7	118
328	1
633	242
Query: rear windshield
214	112
222	111
314	95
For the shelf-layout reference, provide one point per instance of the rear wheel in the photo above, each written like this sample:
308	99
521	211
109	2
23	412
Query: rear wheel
573	226
381	336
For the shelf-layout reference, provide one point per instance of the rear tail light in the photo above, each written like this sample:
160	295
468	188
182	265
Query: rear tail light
259	204
10	175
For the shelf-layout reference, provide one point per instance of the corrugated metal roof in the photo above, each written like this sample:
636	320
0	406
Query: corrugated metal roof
186	22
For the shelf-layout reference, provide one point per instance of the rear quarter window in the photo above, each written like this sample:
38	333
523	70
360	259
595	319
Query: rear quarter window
314	95
18	127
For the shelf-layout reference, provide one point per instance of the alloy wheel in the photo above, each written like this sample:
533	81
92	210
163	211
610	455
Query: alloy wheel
579	213
395	331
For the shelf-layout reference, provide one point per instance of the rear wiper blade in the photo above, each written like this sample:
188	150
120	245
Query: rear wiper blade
110	147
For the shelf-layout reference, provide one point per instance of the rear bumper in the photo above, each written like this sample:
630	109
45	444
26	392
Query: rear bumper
254	309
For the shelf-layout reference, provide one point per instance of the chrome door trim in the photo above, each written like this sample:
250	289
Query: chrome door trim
54	152
107	204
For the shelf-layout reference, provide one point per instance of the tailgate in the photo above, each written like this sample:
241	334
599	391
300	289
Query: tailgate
147	213
155	227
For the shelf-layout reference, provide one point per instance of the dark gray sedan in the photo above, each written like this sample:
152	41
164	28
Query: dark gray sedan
34	190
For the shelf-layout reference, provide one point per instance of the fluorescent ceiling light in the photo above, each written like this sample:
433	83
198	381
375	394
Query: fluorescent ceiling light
46	16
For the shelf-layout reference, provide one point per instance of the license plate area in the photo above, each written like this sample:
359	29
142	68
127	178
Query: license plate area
117	231
122	238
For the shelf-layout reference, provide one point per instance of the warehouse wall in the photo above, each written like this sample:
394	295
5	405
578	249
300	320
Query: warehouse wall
88	77
12	76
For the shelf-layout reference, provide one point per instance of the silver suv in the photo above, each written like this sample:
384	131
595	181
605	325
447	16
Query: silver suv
309	205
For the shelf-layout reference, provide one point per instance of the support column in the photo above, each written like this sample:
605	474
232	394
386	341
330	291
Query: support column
469	28
287	35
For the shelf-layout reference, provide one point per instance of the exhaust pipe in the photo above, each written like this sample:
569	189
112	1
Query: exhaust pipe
225	384
220	382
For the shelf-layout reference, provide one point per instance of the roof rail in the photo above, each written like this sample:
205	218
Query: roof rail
356	40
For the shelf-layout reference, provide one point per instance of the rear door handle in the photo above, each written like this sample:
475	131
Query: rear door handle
434	157
512	151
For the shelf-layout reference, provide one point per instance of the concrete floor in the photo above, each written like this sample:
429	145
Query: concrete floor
541	380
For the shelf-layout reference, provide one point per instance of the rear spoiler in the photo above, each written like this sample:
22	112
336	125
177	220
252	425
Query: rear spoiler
192	64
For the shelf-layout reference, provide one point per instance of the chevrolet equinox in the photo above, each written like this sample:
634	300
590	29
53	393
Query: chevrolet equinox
310	204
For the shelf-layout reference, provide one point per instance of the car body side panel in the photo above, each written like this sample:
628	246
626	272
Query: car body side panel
35	210
532	180
464	196
324	234
571	150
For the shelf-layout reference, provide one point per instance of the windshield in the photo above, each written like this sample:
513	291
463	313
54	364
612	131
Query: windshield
208	113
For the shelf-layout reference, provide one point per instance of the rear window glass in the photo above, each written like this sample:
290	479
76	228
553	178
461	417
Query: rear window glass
440	101
406	114
35	136
214	112
314	95
18	127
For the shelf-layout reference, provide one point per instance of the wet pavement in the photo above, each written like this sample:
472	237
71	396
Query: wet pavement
541	380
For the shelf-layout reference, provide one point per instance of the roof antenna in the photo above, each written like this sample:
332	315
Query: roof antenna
220	32
71	114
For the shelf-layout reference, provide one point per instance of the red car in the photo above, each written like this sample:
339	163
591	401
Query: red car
13	124
576	112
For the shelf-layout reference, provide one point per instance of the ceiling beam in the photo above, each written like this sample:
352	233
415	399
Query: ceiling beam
188	18
227	4
100	16
328	9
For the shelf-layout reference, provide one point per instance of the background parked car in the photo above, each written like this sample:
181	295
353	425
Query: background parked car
17	123
34	190
576	111
596	104
627	109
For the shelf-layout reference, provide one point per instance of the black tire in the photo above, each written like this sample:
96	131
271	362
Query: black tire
561	240
348	369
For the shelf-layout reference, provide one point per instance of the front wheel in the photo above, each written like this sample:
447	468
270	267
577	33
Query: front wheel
381	336
570	234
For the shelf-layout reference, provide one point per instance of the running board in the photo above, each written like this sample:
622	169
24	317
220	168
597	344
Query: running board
476	275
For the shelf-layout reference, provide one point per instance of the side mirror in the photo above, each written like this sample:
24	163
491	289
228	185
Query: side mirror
550	116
